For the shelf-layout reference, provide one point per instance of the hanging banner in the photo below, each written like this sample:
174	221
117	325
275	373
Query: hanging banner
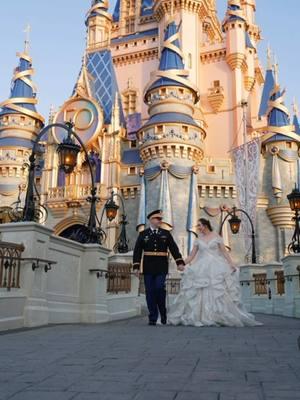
246	165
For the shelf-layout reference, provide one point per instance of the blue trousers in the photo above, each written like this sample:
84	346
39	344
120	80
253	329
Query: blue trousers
155	286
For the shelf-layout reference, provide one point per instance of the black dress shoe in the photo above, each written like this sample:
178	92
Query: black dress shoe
163	321
153	323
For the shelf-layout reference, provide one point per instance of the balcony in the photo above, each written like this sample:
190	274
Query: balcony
78	193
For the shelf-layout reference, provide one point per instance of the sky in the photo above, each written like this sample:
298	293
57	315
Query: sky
58	40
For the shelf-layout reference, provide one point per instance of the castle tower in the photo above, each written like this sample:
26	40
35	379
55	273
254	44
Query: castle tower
235	27
280	145
98	24
19	125
171	142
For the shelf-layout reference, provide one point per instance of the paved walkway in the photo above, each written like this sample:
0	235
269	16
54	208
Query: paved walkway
128	360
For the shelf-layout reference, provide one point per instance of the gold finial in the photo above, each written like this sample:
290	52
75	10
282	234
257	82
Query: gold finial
276	70
269	57
27	31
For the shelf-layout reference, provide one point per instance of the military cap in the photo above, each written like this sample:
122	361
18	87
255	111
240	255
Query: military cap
155	214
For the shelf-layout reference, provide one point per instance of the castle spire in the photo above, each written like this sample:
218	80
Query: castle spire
295	116
171	70
23	91
268	85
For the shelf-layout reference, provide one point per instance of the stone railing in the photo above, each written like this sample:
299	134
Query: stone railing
73	192
10	264
272	288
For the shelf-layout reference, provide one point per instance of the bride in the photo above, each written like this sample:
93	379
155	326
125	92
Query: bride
210	289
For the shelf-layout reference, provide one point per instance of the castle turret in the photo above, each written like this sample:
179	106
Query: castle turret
98	24
280	145
19	125
171	142
235	28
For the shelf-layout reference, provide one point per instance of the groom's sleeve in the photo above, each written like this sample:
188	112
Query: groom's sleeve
175	251
137	253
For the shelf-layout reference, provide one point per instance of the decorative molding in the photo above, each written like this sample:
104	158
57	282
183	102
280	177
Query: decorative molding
249	82
203	9
281	216
172	150
213	56
130	192
217	191
236	61
216	98
132	58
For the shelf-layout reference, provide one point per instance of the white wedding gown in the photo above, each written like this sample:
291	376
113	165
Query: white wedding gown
209	291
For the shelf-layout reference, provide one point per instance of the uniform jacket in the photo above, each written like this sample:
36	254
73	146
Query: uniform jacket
154	249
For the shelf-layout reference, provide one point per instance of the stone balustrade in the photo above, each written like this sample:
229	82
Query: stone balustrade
68	292
73	192
272	288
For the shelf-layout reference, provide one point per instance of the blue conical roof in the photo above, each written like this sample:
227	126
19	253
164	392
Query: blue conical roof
234	13
23	91
171	67
268	87
279	125
296	124
278	114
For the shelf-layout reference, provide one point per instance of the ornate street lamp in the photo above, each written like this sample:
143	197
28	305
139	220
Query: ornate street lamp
67	152
294	200
111	209
235	223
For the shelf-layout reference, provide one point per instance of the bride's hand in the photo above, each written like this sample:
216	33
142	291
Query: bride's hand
180	267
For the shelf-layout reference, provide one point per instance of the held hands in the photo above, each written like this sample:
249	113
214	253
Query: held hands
137	273
181	267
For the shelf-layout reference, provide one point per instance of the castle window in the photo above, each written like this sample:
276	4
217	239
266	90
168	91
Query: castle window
159	129
288	145
117	47
153	39
185	129
133	144
129	101
144	41
132	171
211	169
163	91
20	153
129	25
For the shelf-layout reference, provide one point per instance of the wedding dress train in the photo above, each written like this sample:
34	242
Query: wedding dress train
209	291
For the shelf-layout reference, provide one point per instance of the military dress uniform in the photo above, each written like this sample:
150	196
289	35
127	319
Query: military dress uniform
152	248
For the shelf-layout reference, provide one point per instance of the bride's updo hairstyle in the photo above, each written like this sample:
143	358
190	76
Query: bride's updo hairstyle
205	222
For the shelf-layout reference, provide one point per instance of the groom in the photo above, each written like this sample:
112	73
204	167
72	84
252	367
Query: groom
153	245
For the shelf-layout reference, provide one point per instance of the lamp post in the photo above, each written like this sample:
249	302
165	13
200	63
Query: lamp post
235	223
111	209
67	153
294	200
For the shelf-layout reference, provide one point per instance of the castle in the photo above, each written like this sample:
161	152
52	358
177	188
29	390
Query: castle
177	113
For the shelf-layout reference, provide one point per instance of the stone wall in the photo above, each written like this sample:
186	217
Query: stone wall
69	292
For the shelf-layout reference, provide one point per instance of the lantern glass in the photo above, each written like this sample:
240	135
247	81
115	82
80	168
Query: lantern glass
111	209
294	200
67	156
235	224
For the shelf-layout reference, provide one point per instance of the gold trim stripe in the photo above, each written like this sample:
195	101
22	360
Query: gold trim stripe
156	253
